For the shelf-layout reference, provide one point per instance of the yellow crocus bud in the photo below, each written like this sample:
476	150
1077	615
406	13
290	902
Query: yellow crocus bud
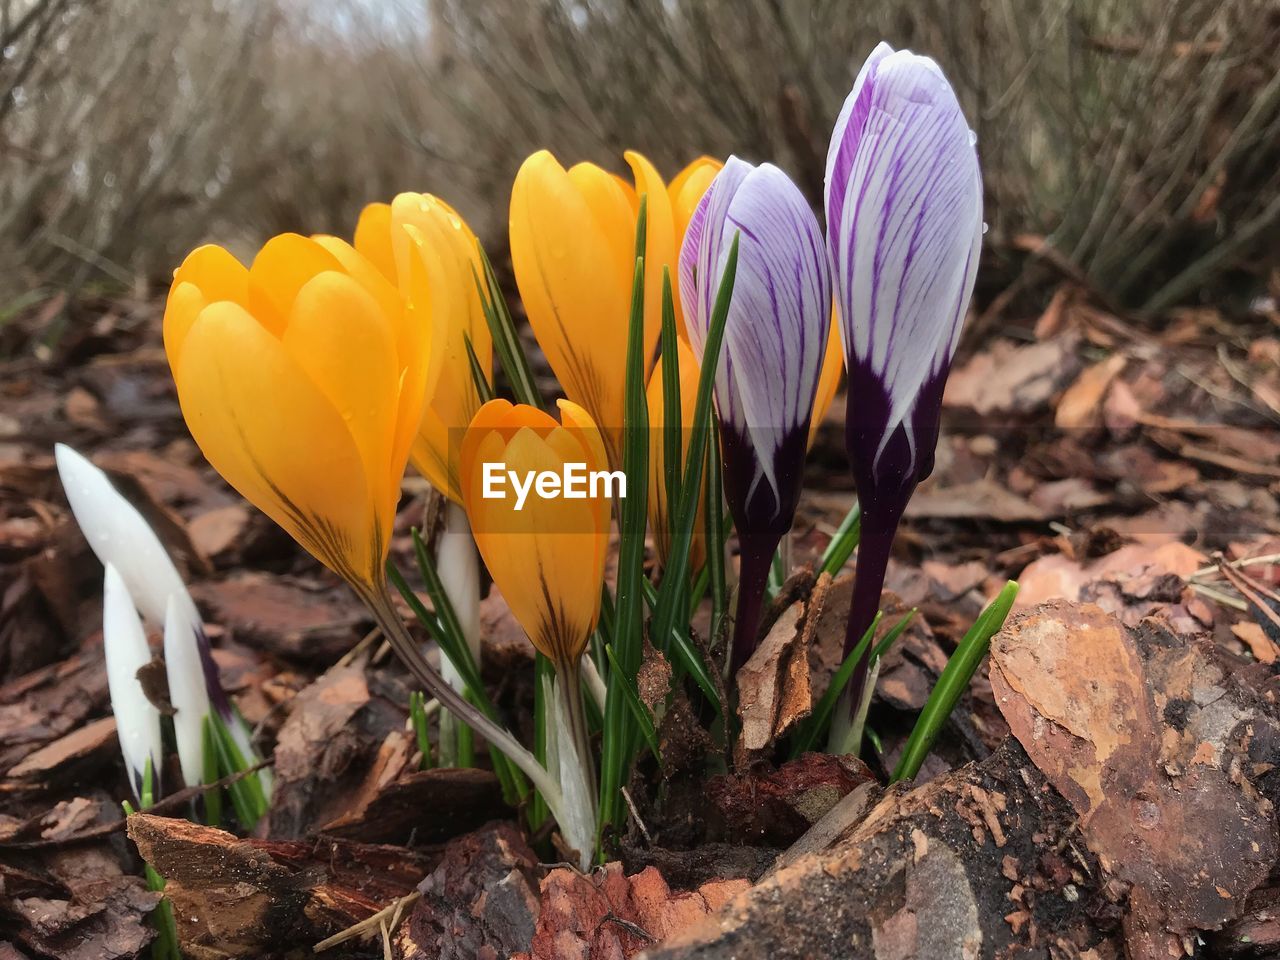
545	552
685	190
658	425
573	238
828	380
450	254
302	380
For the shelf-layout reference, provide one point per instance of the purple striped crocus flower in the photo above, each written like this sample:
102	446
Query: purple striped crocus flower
904	228
774	340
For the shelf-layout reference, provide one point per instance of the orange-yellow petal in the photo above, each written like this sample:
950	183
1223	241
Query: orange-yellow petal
341	338
274	436
572	250
547	557
828	379
209	274
279	271
373	238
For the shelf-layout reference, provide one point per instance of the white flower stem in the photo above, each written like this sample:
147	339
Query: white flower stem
577	767
458	563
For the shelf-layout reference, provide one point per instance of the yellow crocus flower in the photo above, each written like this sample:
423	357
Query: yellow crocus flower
573	250
450	254
658	516
685	190
547	556
828	380
302	380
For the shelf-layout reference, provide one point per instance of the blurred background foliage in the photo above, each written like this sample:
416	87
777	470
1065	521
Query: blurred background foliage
1134	144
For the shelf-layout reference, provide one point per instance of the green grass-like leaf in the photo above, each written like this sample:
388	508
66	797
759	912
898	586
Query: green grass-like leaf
638	710
670	599
247	796
843	543
953	683
484	390
506	341
418	718
672	419
684	655
446	630
618	738
815	727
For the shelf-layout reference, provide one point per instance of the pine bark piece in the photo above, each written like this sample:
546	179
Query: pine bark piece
966	867
608	914
253	898
775	807
1161	749
480	902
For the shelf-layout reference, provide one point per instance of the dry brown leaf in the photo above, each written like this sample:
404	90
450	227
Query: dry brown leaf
1262	647
984	499
1018	380
1080	407
1056	575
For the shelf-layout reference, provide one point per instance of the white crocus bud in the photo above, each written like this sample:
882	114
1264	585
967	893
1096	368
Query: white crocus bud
188	691
120	536
125	646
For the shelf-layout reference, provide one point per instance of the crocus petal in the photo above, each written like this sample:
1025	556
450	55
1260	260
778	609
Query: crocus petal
126	651
344	343
573	251
450	256
275	437
281	268
904	211
188	691
828	381
120	536
686	190
548	557
209	274
373	238
778	321
574	275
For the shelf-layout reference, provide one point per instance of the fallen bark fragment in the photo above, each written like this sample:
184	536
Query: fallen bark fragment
236	898
935	872
285	616
76	904
611	915
1161	750
773	686
425	805
65	760
774	807
480	903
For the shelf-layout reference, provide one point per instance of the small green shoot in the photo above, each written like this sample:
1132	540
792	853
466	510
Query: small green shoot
953	683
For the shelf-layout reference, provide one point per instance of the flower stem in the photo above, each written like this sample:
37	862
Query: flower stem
874	547
577	765
753	577
377	599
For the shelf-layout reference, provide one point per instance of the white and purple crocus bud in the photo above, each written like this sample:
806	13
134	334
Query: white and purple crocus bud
774	340
904	229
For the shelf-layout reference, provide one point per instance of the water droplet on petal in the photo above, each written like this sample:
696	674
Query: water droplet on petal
973	137
985	227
